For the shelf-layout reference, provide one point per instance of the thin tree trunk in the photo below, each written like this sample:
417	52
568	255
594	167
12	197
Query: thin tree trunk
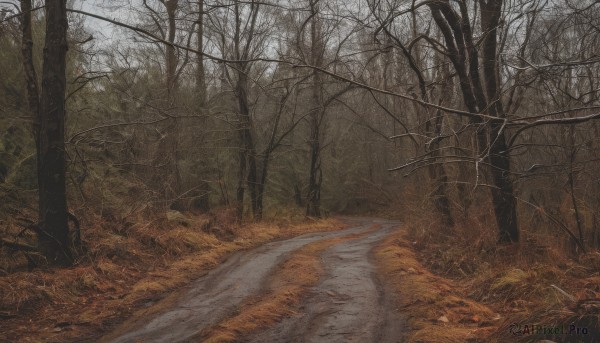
200	71
31	80
202	202
171	55
436	170
241	182
261	188
571	181
167	154
313	206
247	158
52	171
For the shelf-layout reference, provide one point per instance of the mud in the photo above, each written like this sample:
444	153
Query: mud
348	305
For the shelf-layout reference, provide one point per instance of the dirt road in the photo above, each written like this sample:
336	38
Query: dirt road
348	304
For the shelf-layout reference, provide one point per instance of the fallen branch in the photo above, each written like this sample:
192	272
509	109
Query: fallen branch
17	245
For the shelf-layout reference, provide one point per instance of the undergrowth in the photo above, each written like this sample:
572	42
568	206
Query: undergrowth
536	282
126	265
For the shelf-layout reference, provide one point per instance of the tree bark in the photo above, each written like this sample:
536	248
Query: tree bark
202	202
171	55
200	71
313	199
505	206
437	171
168	176
247	155
31	79
51	174
464	57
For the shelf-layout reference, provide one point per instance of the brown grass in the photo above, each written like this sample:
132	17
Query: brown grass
125	268
537	281
289	284
436	312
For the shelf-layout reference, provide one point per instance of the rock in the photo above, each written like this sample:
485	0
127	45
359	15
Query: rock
443	319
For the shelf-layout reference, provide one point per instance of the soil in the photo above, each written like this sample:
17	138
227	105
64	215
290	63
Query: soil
349	304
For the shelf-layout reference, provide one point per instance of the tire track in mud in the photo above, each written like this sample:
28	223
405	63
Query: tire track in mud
219	294
288	286
349	304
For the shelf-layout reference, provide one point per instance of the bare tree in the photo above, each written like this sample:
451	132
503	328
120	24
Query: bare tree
52	172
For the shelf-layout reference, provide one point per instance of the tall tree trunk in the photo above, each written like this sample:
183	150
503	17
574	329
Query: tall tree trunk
52	171
247	157
247	141
31	79
200	70
202	202
505	206
313	199
241	182
313	203
28	65
171	53
438	170
464	57
167	154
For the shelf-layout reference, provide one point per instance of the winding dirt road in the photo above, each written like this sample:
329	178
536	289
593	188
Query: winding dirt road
349	304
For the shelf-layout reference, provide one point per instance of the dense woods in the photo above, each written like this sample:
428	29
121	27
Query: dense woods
331	106
326	105
257	105
457	111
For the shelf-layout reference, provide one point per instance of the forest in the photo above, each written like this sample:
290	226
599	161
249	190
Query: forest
445	151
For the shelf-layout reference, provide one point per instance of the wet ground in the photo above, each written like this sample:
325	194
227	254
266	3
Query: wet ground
348	305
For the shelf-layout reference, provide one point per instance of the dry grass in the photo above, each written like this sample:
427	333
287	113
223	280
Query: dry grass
126	267
436	312
289	284
535	282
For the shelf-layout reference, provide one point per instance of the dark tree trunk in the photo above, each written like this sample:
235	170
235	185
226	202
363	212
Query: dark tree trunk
247	172
261	185
31	79
313	199
464	57
505	206
241	182
247	157
438	170
51	174
265	172
28	66
313	203
437	173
